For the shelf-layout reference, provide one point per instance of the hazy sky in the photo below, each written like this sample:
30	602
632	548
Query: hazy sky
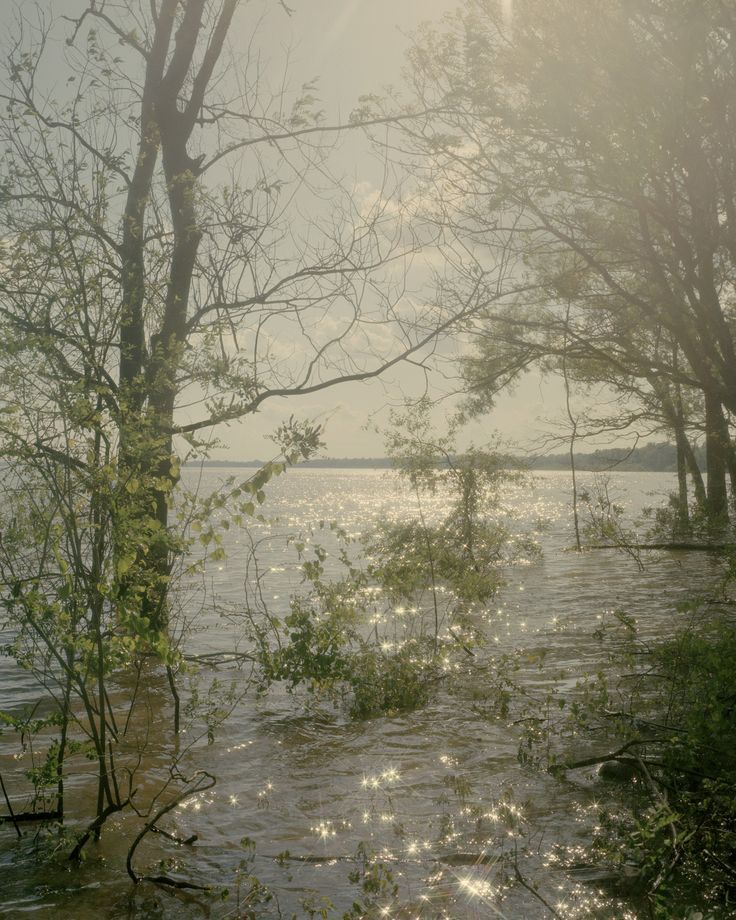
351	47
355	47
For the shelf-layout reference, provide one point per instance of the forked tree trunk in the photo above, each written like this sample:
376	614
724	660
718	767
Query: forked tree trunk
716	445
173	94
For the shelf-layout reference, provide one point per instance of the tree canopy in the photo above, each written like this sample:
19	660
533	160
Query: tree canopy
597	141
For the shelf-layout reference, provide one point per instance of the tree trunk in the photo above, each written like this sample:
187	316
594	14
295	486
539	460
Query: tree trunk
716	444
148	382
696	475
678	426
673	412
683	514
731	466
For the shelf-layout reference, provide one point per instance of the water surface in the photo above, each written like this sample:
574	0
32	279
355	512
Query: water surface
431	791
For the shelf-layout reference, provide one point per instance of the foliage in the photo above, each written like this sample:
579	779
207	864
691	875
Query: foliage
465	549
384	632
377	885
698	771
678	842
384	683
668	730
604	524
663	523
71	616
323	644
545	157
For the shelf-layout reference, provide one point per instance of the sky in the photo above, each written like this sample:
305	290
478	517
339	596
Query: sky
351	48
354	47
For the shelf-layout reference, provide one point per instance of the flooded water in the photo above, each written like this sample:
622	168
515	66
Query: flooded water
439	793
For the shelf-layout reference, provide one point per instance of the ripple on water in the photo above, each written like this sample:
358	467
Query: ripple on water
415	785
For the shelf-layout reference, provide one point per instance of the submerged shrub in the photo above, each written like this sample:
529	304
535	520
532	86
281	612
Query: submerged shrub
389	683
382	633
321	649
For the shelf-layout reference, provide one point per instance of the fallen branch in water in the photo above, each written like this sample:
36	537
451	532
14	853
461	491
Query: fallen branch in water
184	841
602	758
223	657
22	816
10	807
696	547
201	782
530	888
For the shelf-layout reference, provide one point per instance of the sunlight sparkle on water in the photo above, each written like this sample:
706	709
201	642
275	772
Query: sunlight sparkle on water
324	830
387	778
475	887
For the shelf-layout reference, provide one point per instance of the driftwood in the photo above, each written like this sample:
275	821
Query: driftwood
617	755
19	816
676	545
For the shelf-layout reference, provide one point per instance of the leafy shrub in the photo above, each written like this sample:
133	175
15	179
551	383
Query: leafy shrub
389	683
380	634
678	722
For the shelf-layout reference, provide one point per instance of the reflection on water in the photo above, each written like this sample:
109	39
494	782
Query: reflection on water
438	793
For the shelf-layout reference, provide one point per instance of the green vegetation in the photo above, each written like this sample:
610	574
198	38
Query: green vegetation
154	258
679	731
665	735
176	250
384	633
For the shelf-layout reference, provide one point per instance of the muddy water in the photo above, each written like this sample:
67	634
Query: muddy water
439	793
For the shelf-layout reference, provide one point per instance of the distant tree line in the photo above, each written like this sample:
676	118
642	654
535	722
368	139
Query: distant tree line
655	458
660	457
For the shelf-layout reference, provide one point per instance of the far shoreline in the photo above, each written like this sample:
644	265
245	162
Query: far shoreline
651	458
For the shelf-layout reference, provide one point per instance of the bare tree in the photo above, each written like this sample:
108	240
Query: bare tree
177	251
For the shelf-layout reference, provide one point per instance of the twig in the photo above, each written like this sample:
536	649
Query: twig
175	695
10	808
460	642
184	841
203	781
523	882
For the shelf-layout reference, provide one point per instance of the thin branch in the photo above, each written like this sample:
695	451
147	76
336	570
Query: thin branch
202	781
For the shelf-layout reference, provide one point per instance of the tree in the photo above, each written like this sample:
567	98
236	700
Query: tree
593	348
159	279
600	135
140	289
